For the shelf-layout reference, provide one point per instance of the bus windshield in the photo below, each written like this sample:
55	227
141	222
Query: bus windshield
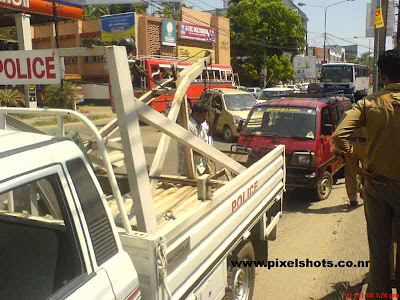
337	73
289	122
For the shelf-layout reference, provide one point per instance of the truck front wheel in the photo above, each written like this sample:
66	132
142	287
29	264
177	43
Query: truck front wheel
324	186
227	133
241	278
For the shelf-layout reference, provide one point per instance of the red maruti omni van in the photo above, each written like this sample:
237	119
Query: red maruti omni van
304	124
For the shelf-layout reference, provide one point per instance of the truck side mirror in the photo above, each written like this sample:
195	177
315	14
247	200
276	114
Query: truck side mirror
240	125
327	129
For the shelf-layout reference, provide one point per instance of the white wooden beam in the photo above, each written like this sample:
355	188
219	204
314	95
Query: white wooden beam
182	83
125	107
160	122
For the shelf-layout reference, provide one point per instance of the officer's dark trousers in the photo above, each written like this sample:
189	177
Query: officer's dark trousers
381	206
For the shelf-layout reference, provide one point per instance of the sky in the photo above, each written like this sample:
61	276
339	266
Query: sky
345	20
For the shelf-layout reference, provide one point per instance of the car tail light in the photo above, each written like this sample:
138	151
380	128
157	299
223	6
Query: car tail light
136	295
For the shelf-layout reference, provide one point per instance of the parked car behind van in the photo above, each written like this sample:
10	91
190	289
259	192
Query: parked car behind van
305	126
273	93
255	91
234	105
313	87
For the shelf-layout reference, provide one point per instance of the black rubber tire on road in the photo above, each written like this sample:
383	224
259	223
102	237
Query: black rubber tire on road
241	280
227	133
324	186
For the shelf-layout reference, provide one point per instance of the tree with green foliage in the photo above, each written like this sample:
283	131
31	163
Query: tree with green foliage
260	30
11	98
8	33
279	69
170	10
64	96
96	11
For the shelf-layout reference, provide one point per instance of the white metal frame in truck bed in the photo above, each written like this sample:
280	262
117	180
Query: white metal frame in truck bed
177	258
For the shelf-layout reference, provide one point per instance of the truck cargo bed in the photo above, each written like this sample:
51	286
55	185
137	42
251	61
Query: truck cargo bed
171	201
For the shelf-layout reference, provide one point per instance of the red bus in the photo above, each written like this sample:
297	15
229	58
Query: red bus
159	70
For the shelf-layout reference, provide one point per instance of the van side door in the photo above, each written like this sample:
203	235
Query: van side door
326	151
217	103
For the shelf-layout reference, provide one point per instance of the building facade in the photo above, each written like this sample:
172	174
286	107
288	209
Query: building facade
332	54
149	41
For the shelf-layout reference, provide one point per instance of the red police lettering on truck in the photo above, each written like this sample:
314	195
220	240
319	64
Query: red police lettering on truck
36	67
244	196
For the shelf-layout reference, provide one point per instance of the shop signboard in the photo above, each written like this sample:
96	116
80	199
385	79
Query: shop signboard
305	67
30	67
65	9
193	53
118	26
371	18
168	33
197	32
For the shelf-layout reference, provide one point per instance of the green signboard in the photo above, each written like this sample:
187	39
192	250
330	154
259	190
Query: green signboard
168	33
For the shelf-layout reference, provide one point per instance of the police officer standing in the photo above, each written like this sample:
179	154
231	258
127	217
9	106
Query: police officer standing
380	115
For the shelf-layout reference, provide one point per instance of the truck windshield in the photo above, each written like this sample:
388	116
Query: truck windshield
239	102
337	73
289	122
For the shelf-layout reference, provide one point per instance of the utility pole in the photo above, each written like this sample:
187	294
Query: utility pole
380	45
398	26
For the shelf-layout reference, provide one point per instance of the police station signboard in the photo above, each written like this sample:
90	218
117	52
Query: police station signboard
30	67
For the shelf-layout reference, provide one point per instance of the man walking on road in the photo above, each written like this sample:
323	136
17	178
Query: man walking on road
197	126
379	113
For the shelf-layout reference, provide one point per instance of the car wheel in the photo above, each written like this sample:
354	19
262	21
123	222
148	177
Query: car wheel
241	280
324	186
227	133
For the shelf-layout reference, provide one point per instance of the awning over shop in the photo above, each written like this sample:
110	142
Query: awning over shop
41	11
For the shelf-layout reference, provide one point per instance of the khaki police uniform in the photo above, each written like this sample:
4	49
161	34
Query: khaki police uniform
358	143
380	115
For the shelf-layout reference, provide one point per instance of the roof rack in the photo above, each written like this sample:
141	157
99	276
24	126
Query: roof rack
316	95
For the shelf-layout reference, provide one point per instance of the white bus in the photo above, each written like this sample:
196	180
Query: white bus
353	79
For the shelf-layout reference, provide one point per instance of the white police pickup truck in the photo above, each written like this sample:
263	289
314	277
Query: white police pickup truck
61	237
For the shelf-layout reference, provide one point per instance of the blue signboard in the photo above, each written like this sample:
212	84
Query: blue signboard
118	26
168	33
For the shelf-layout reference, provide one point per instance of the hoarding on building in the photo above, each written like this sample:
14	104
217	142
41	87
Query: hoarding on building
65	9
305	67
30	67
197	32
168	33
118	26
371	14
193	53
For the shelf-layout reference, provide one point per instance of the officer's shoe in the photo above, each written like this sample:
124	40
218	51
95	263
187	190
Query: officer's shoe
354	203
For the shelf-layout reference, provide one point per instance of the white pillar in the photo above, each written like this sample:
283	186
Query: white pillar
23	26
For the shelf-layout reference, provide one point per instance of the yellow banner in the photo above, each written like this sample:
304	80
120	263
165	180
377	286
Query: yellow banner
193	53
378	15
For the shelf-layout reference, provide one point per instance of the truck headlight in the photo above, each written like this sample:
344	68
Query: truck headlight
302	159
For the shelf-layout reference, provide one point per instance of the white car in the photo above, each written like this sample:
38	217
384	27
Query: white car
273	93
304	87
255	91
294	88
